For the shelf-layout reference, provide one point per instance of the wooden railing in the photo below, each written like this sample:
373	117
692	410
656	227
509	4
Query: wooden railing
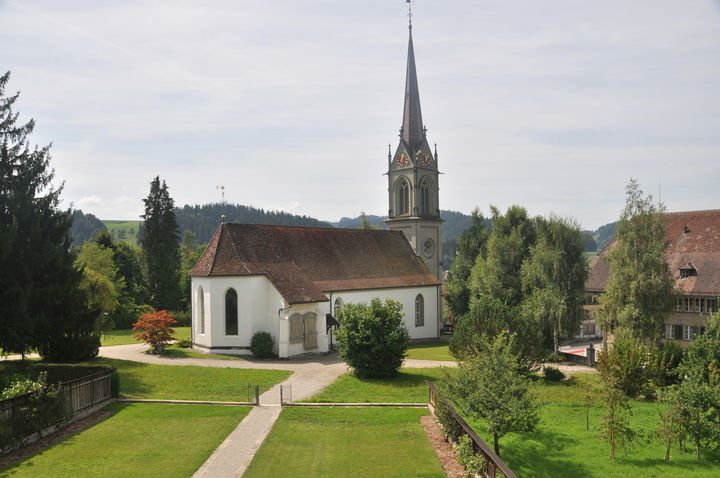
85	392
495	463
80	394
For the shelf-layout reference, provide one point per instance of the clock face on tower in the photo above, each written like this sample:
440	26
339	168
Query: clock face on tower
403	159
428	247
423	157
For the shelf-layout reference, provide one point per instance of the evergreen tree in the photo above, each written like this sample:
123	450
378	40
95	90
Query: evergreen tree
639	292
161	245
41	304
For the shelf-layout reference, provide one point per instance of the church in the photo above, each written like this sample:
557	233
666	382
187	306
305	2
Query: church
292	281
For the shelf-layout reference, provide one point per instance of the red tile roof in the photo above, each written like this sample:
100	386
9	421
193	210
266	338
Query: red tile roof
305	262
693	237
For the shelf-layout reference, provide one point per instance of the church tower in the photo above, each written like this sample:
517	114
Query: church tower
414	206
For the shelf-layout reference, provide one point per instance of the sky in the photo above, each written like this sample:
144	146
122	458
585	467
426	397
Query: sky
290	105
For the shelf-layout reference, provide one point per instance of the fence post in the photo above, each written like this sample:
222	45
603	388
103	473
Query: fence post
257	394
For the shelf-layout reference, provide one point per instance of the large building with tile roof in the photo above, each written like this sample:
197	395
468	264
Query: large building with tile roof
292	281
693	256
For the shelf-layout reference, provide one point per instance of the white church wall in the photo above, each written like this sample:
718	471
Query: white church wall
258	306
406	296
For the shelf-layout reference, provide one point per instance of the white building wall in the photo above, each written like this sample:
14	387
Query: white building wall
258	306
406	296
262	308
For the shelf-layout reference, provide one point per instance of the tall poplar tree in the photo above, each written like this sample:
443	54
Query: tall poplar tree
41	304
639	291
161	245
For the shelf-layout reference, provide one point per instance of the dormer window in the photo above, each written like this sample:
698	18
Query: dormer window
688	271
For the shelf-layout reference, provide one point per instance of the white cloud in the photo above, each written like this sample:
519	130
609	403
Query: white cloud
548	104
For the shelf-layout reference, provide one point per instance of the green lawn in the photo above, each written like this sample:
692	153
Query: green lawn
312	442
561	445
125	231
125	336
137	440
187	382
178	352
432	351
408	387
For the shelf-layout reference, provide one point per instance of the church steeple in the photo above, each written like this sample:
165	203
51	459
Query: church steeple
412	125
413	190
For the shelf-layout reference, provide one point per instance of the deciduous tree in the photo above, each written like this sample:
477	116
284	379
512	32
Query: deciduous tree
489	386
155	329
639	291
553	279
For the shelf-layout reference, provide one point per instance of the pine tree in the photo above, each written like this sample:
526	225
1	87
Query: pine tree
161	245
41	304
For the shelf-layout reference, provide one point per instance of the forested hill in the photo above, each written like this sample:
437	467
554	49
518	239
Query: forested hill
204	220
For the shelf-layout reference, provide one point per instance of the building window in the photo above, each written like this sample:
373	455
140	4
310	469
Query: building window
231	312
685	273
671	331
403	197
699	305
588	328
712	305
687	301
679	304
692	331
419	311
201	310
338	307
425	198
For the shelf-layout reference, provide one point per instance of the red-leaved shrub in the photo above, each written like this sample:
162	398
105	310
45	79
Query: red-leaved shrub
155	329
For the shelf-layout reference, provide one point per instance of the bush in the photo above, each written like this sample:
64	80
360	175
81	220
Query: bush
261	345
46	406
665	360
184	343
184	318
155	329
450	427
71	348
474	463
625	366
372	338
553	374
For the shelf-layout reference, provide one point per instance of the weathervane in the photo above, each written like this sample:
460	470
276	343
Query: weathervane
409	2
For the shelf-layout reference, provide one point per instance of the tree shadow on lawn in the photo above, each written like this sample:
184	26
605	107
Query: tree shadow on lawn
540	454
404	379
679	462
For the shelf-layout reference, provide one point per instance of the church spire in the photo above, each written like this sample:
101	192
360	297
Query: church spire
412	125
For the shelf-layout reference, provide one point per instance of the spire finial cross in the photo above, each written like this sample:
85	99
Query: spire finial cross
409	2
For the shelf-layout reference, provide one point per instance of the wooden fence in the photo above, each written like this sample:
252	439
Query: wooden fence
80	394
495	463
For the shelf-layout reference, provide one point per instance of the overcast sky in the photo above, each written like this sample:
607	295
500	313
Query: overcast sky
290	104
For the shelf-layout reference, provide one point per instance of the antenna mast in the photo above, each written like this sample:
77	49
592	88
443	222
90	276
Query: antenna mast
409	2
222	194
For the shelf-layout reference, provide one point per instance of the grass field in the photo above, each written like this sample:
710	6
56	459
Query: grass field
142	380
408	387
125	231
123	337
137	440
432	351
561	445
312	442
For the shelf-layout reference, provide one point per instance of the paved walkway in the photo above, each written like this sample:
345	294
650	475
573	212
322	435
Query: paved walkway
309	377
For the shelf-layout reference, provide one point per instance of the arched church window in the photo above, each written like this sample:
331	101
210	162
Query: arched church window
338	307
201	310
425	198
231	312
403	198
419	311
